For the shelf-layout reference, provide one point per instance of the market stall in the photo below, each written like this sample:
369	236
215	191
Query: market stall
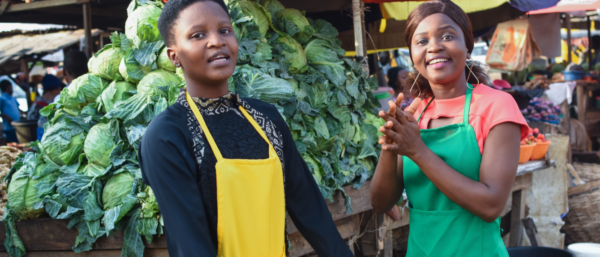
44	236
90	148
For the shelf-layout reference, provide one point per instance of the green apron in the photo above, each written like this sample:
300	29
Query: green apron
438	226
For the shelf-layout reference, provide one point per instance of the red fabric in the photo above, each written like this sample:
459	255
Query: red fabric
41	104
569	7
489	107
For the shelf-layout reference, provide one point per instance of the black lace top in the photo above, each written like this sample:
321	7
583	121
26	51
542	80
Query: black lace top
179	165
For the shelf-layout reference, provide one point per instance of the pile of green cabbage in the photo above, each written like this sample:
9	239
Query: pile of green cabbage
297	64
85	168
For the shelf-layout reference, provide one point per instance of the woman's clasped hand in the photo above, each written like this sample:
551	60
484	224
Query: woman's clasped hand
401	130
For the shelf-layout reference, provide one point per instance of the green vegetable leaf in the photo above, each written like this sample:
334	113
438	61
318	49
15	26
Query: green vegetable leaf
251	82
132	241
321	127
13	244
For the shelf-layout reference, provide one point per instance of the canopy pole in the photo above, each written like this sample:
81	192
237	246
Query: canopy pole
359	39
25	70
589	27
568	23
87	26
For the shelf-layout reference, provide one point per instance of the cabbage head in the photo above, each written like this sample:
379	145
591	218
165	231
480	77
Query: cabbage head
273	7
324	56
62	143
115	92
142	23
81	92
131	70
252	82
294	53
106	63
23	190
117	187
100	143
258	14
158	78
164	62
296	24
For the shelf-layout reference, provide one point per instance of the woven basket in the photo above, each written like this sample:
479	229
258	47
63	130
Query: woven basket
582	223
587	171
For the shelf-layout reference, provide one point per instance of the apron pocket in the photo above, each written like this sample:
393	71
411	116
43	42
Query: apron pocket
445	233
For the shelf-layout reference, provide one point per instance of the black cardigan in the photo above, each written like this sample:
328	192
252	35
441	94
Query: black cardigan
179	165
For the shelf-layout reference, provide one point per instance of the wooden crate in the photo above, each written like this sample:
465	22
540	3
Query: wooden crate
51	238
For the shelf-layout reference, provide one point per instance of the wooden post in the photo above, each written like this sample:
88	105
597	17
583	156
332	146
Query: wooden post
517	213
25	70
388	251
568	23
359	34
581	102
87	25
589	34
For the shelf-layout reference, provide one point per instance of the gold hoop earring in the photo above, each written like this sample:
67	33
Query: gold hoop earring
471	72
413	85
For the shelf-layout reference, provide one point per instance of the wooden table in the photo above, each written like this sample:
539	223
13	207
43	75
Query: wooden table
371	231
51	238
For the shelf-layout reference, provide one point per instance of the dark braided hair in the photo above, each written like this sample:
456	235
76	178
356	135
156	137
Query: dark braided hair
453	11
170	14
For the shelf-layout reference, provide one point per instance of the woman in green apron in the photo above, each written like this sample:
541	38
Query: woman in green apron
224	169
455	152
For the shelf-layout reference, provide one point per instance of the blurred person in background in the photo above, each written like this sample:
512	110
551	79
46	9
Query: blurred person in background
52	87
396	78
9	110
75	65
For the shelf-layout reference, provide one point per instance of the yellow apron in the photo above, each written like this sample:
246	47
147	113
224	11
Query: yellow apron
250	200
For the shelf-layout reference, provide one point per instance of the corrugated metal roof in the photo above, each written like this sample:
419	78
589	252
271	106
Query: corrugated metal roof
21	45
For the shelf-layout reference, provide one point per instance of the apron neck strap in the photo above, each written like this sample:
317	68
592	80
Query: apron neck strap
211	140
466	109
207	133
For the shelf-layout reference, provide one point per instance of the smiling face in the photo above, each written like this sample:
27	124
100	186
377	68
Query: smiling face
438	50
204	44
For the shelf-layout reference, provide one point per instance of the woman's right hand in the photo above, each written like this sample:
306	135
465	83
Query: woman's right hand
393	113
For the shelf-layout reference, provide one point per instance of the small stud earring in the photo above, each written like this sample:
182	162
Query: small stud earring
177	65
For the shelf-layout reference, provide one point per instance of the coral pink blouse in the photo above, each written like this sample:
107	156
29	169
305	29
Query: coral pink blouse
489	107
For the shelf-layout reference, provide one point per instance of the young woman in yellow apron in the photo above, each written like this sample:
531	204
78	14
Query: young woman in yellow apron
224	169
457	156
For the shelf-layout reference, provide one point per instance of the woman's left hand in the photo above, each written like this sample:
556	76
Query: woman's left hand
405	134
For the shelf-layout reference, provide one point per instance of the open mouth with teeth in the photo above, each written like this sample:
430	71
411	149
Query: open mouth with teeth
438	62
218	59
